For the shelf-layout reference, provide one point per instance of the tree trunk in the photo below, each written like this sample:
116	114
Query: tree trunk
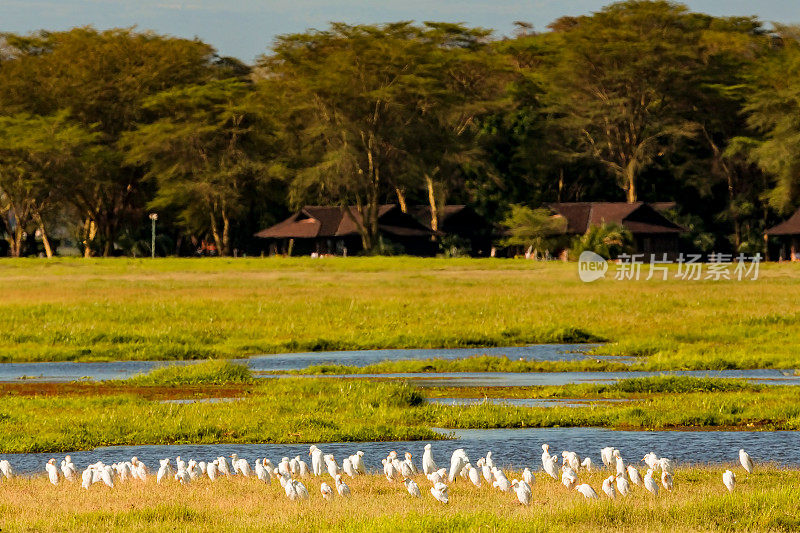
432	201
401	199
45	241
89	233
226	225
630	182
215	232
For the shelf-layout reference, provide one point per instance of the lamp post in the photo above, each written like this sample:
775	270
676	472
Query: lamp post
153	218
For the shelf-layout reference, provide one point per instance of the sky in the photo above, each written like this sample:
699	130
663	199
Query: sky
245	28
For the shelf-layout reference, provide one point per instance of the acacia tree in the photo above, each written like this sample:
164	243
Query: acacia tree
773	111
102	79
35	154
621	81
203	152
363	97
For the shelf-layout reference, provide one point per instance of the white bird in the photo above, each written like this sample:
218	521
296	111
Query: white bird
527	477
569	478
5	469
457	462
412	488
651	460
550	466
439	491
182	476
545	454
106	474
294	465
500	480
619	462
222	466
587	464
666	480
202	465
405	469
211	470
649	484
316	460
342	487
523	491
608	487
358	463
474	476
299	489
587	491
86	478
623	486
747	462
410	463
348	468
283	466
634	475
326	490
391	472
289	488
607	456
68	469
164	470
52	471
572	459
489	460
437	476
333	466
666	465
729	479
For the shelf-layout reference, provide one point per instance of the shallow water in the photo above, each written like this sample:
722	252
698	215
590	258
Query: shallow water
512	379
517	448
69	371
525	402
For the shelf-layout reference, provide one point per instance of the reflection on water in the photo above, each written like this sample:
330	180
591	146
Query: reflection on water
516	448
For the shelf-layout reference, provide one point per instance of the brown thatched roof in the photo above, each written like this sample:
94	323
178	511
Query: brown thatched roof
314	221
787	227
637	217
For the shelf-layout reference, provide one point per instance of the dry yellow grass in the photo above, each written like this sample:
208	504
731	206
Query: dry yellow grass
765	501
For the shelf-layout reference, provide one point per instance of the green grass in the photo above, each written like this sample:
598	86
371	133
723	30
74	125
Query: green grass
108	309
212	372
333	410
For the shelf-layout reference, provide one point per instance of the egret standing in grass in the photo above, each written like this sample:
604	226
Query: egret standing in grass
747	462
649	484
412	488
729	480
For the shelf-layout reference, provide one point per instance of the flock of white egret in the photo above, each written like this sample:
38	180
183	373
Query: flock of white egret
292	472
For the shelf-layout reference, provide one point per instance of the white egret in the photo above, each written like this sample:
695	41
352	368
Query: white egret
651	460
412	488
342	487
608	487
623	487
523	491
358	463
326	490
666	480
634	475
729	480
500	480
587	464
587	491
428	464
439	491
52	471
569	478
527	477
747	462
649	484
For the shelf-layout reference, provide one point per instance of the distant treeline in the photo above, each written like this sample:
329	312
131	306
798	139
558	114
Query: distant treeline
639	101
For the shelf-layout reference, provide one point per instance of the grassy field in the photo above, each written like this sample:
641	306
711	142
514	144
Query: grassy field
103	309
85	415
764	501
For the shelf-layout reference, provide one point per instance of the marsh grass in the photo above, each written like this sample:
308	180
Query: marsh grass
335	410
212	372
110	309
763	501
